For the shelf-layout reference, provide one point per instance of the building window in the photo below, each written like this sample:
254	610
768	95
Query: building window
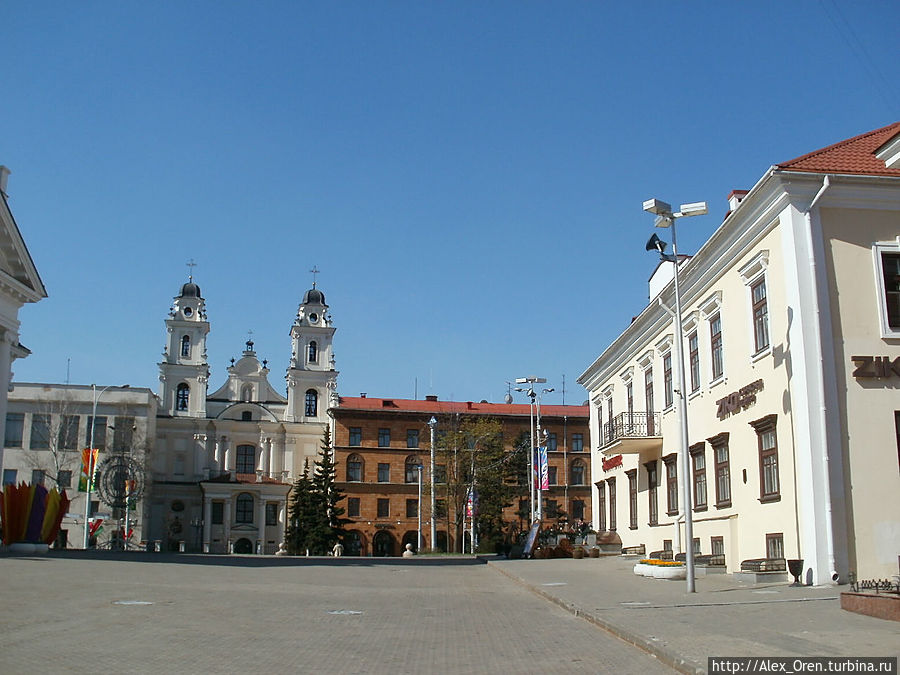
99	430
384	472
775	545
217	517
611	484
888	259
243	510
412	508
440	509
601	507
698	460
694	360
384	438
384	508
15	428
648	391
353	507
629	399
717	545
271	514
769	489
37	476
64	479
760	315
578	470
440	473
354	469
723	470
246	459
578	509
186	346
412	470
667	379
551	475
552	508
40	432
355	437
577	442
182	395
312	403
9	476
671	484
312	352
551	443
652	483
412	438
178	469
632	499
123	434
715	346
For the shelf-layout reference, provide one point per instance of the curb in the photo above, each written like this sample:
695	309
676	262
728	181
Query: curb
665	655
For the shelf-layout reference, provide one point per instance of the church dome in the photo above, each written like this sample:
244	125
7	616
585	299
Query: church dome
190	290
314	297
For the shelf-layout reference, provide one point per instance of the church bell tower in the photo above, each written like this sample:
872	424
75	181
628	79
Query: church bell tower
184	371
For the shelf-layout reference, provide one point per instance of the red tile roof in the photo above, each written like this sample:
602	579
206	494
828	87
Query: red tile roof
852	156
449	407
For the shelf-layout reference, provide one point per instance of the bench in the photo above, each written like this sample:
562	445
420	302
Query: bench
634	550
665	554
764	565
760	570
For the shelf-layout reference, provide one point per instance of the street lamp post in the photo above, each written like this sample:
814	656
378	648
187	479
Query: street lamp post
666	218
541	438
432	423
419	510
531	381
91	466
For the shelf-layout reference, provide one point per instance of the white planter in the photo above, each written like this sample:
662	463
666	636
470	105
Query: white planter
643	569
667	572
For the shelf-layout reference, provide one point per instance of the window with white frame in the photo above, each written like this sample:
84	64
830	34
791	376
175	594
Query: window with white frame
668	386
887	270
710	309
754	276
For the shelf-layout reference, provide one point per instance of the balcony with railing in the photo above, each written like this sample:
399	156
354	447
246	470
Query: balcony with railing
635	433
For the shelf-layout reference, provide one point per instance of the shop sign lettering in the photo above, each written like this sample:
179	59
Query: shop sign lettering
875	366
612	462
738	400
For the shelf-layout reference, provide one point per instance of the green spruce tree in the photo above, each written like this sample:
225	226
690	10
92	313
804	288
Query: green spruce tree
301	514
329	525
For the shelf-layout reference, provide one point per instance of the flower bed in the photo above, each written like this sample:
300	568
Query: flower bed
660	569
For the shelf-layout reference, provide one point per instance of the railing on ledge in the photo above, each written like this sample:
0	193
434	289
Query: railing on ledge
631	425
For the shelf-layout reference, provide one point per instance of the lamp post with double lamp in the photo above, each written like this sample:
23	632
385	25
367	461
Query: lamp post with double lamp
419	510
91	464
432	424
665	217
542	442
529	392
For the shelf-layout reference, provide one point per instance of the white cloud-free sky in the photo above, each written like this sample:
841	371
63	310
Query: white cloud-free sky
467	176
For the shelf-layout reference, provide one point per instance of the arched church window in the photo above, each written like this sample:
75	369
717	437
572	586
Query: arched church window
243	512
354	469
312	403
312	352
182	395
246	459
186	346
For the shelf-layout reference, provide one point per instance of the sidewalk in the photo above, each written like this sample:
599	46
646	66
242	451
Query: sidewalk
724	617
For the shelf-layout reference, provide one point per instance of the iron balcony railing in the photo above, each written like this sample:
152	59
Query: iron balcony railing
631	425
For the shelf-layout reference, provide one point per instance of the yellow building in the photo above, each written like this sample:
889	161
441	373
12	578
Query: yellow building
791	334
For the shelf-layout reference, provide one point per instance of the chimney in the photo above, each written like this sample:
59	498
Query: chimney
4	175
431	397
735	198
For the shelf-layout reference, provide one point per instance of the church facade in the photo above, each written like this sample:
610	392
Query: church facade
224	461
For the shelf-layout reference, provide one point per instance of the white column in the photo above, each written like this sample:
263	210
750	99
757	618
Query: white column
6	342
200	456
278	457
230	459
270	458
220	453
226	519
262	524
207	522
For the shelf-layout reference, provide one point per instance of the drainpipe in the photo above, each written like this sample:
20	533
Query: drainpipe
822	421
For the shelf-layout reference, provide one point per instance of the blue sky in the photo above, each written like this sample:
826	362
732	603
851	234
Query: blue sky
468	177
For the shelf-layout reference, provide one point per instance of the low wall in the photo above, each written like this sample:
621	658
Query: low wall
879	605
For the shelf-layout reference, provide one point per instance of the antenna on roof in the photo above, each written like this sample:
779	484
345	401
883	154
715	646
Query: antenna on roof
508	398
564	389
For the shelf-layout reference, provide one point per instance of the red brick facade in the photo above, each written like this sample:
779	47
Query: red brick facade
379	442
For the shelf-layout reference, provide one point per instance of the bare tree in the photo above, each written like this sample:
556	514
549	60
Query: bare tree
54	448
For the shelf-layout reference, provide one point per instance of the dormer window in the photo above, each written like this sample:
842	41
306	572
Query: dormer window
312	352
186	346
182	395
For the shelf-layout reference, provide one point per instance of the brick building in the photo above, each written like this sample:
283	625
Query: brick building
380	443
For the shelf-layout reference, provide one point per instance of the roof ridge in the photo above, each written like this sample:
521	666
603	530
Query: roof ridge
839	144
